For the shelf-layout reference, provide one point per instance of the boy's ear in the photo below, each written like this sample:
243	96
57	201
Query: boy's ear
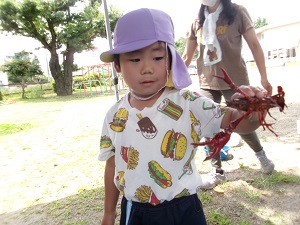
117	67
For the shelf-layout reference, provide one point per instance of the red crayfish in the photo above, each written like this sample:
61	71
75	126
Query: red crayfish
247	104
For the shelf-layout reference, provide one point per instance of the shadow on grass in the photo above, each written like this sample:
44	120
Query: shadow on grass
236	205
250	197
83	208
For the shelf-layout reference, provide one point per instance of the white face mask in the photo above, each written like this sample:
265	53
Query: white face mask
209	3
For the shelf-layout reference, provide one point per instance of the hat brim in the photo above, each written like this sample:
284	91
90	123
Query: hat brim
108	56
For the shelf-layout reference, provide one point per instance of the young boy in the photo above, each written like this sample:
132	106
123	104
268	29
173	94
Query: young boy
147	136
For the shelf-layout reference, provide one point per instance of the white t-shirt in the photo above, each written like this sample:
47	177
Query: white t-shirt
153	149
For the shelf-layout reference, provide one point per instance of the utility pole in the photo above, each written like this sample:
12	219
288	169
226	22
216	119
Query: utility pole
108	32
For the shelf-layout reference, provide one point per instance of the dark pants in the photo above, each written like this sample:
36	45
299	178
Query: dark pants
251	138
179	211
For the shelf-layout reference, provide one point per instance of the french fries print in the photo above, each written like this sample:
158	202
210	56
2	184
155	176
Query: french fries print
146	195
130	156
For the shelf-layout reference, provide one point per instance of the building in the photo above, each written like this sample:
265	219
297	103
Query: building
280	43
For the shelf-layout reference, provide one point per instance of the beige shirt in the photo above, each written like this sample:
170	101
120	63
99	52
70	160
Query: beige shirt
230	39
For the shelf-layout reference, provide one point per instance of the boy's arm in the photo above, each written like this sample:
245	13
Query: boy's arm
251	122
111	193
247	125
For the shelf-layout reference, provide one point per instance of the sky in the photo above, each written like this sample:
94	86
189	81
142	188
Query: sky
183	12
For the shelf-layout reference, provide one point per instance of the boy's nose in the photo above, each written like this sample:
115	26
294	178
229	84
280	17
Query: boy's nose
146	68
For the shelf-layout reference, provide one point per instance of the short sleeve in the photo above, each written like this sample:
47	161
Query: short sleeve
246	21
207	113
107	149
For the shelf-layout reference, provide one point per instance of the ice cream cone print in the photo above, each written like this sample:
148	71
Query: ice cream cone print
146	126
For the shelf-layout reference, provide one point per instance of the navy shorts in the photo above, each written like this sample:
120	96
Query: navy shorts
186	210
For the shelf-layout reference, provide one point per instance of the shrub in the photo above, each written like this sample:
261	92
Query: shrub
34	91
11	93
47	86
53	86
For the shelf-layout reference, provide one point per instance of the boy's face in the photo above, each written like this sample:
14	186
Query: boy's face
144	70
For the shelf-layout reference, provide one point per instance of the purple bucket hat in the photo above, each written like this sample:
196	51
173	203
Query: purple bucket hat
141	28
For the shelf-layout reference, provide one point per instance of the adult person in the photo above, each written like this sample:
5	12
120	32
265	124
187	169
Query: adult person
217	33
147	136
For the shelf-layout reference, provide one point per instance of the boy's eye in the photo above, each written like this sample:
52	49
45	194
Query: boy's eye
158	58
134	60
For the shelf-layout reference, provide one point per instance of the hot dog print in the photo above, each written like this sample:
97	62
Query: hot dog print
159	174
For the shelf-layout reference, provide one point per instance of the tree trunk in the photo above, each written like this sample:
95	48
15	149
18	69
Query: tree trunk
23	85
68	69
63	81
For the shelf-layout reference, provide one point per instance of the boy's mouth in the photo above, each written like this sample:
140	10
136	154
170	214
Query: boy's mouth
147	82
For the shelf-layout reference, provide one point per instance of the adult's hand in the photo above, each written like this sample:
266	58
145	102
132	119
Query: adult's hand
266	84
